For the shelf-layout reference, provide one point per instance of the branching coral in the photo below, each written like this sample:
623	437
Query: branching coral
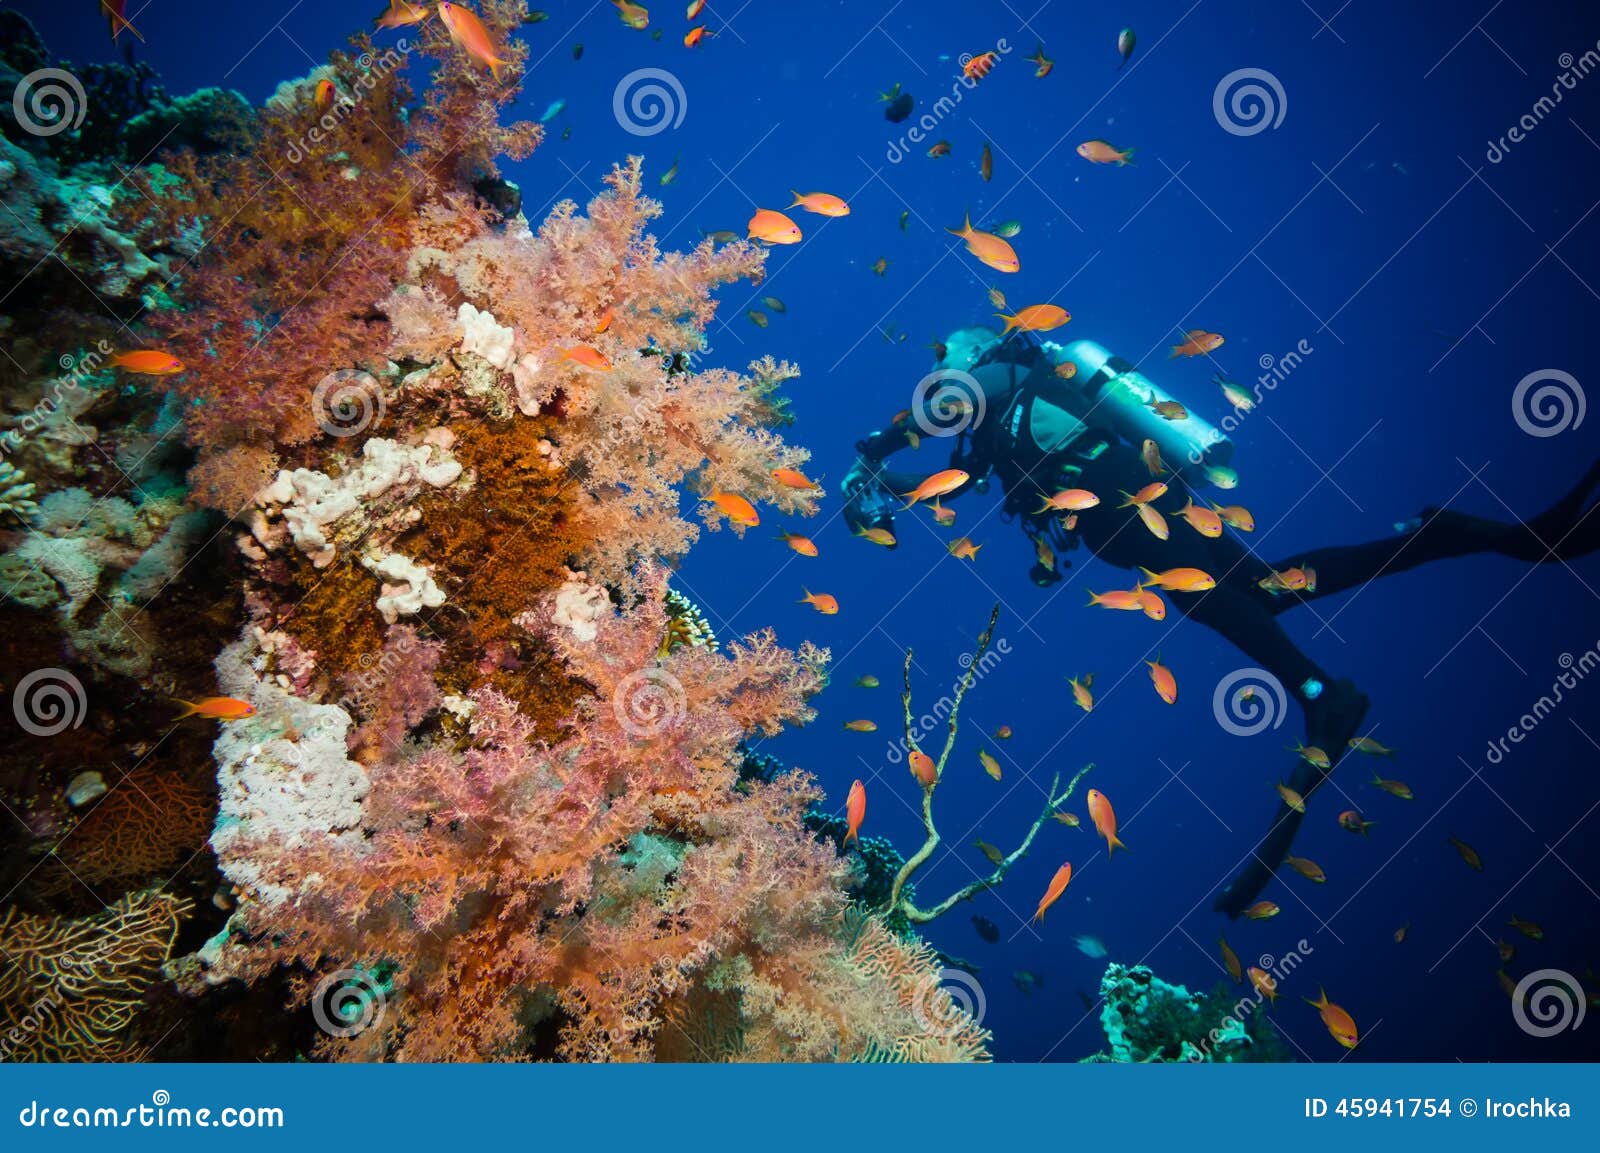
900	900
71	988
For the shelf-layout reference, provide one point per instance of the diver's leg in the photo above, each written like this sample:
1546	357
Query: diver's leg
1564	531
1334	710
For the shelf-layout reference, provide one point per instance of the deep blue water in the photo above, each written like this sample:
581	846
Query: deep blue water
1426	280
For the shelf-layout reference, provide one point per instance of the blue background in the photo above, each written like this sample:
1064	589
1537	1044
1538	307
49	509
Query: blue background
1428	283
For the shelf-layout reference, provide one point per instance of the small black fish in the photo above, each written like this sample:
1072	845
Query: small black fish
899	108
987	929
577	51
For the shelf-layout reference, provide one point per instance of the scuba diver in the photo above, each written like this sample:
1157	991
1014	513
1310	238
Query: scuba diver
1022	415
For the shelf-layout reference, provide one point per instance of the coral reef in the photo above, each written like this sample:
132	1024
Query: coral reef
71	989
1146	1019
492	780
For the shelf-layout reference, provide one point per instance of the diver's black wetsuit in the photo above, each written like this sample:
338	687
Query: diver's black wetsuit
1238	607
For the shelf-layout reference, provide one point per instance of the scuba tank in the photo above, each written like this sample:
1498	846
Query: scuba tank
1124	394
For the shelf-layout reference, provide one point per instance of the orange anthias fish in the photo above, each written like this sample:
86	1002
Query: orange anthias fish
1058	885
803	545
1291	798
1166	684
1099	152
878	536
1310	870
1155	490
1264	984
986	163
1153	606
1042	63
735	508
588	356
940	148
1394	788
604	322
635	16
1236	516
1066	370
824	603
694	9
1069	500
822	203
1312	755
979	66
469	34
1045	554
1003	733
943	516
1035	318
1289	580
694	36
216	708
855	807
987	247
1352	821
962	548
1068	819
937	485
1367	746
1527	928
324	94
990	765
1339	1023
1125	600
116	14
400	14
1203	520
1150	453
1400	933
149	362
1180	580
923	768
1105	820
1197	342
861	726
1081	696
1169	410
792	478
1506	950
1261	910
773	227
1468	853
1154	521
1231	960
